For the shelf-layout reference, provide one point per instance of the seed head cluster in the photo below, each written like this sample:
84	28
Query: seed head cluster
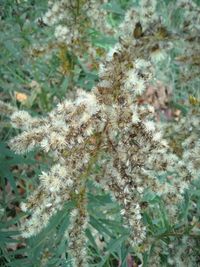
73	22
107	128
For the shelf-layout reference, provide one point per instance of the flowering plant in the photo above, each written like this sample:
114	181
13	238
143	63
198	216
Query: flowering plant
108	139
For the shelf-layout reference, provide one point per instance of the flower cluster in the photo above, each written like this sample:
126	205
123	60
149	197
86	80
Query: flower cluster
73	25
180	251
69	18
6	109
137	20
191	15
189	58
71	21
106	127
184	143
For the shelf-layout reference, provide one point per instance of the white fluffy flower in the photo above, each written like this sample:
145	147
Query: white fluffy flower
157	136
19	117
142	64
23	207
139	87
113	50
135	118
149	126
62	33
104	84
45	144
131	80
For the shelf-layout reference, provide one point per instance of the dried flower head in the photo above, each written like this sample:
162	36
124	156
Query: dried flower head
106	128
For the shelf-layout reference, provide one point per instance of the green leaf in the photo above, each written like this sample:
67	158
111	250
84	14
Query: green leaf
100	227
114	7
